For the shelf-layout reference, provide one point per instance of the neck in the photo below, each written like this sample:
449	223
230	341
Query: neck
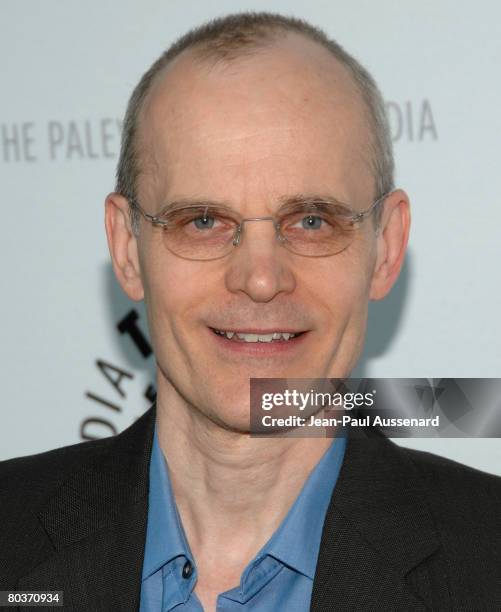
232	490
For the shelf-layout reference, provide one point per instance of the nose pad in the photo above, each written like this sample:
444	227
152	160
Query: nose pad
236	237
279	235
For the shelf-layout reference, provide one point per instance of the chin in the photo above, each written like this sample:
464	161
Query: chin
226	414
231	423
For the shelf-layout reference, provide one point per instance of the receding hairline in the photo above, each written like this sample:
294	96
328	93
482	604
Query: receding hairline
203	56
236	36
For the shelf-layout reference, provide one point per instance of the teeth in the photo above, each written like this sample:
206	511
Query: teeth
265	338
255	337
248	337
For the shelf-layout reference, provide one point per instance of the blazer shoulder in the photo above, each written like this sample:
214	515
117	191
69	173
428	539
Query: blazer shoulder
444	471
464	500
42	471
53	466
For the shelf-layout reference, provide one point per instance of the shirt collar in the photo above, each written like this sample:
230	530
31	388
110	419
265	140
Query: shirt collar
296	542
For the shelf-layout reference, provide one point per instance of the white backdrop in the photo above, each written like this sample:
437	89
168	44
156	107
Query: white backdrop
67	71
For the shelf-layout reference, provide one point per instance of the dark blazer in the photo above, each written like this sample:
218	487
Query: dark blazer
405	530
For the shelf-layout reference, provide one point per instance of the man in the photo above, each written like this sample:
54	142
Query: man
244	146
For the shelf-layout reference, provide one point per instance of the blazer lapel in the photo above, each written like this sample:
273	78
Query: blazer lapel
96	525
377	531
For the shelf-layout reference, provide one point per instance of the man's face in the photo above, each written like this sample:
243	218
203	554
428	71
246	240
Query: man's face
284	121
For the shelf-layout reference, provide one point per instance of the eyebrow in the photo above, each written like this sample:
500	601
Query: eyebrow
290	200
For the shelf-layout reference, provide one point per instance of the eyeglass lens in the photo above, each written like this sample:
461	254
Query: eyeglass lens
205	232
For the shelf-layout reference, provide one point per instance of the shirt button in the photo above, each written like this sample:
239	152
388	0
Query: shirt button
187	569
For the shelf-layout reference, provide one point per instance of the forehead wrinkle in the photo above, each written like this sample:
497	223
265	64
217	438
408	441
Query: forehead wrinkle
342	84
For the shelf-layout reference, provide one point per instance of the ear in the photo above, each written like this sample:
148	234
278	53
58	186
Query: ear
122	244
393	235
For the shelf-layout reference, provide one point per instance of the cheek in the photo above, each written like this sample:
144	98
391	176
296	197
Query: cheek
162	283
341	284
175	289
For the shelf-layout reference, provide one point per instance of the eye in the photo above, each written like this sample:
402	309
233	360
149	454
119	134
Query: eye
204	222
311	222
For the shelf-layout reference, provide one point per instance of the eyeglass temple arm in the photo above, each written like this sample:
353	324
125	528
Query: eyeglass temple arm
147	216
359	216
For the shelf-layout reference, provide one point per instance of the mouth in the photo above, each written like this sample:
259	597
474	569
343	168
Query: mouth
257	336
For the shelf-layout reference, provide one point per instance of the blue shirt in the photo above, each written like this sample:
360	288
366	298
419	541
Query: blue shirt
280	577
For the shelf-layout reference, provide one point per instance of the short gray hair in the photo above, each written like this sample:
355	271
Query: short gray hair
227	38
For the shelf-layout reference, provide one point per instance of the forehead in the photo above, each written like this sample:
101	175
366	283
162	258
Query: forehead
286	118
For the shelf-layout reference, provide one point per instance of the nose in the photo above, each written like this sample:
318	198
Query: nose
259	266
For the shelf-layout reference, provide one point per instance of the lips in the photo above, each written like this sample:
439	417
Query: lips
268	336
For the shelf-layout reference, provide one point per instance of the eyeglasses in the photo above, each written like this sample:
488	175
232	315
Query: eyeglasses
311	228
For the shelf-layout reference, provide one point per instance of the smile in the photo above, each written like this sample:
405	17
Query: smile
272	336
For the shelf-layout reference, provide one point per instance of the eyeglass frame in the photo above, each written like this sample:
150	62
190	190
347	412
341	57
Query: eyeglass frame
355	217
